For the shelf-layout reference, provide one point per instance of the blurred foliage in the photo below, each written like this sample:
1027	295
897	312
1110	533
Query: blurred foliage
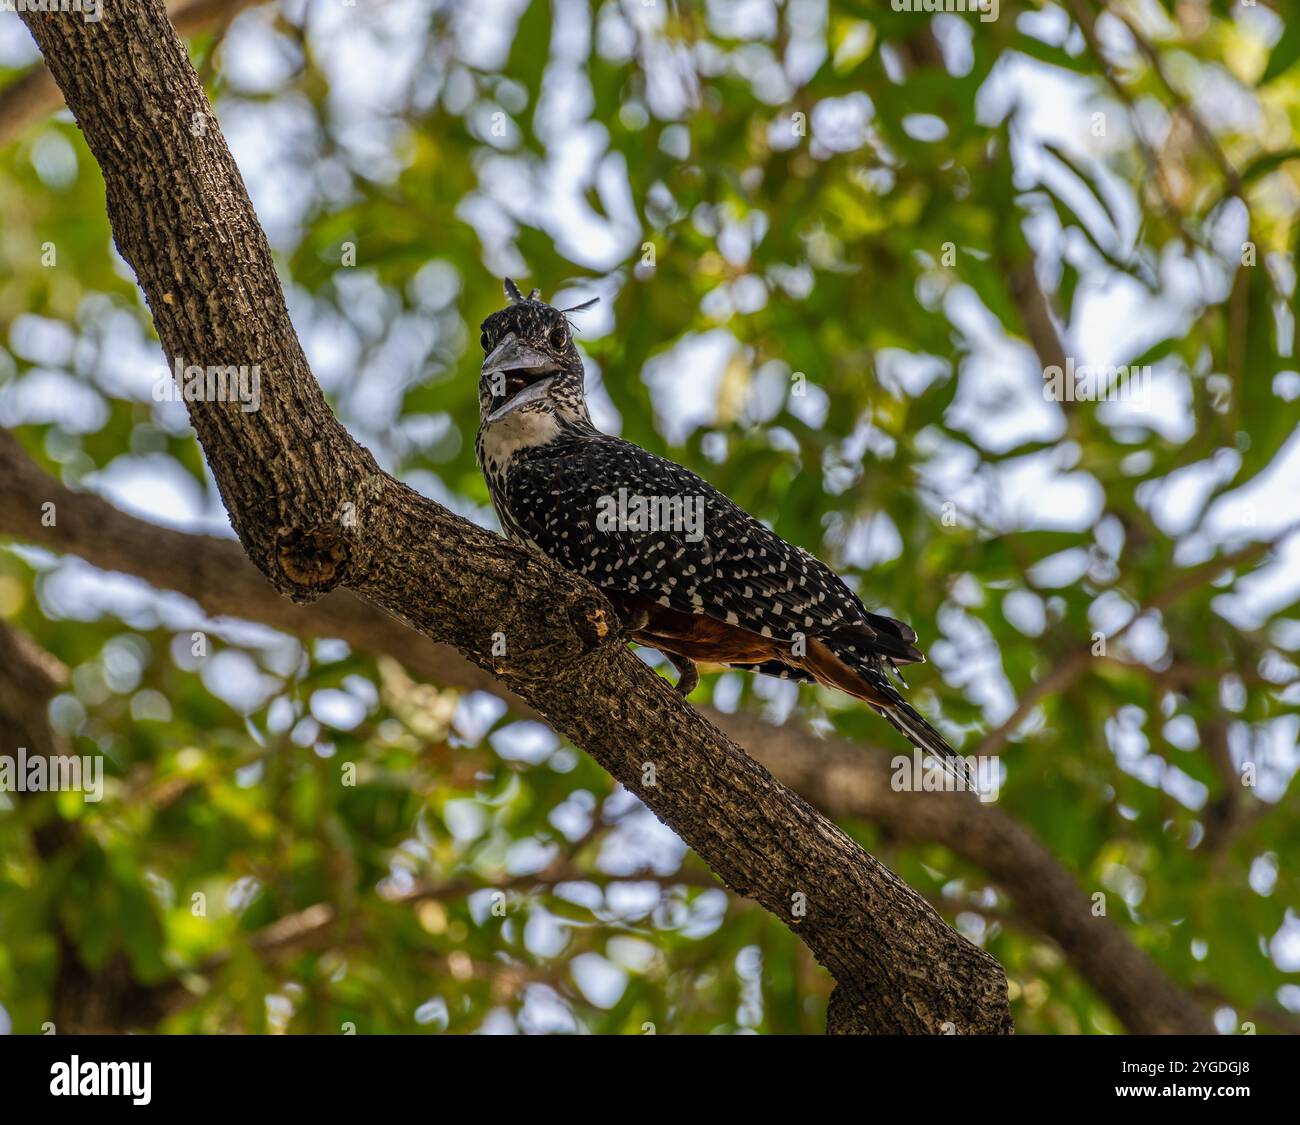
812	228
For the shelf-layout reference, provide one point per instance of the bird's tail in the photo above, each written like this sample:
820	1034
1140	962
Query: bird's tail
862	674
911	724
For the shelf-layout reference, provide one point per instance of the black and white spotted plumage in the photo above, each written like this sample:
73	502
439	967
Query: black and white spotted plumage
555	479
739	571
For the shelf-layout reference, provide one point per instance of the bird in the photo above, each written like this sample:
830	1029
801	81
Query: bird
688	572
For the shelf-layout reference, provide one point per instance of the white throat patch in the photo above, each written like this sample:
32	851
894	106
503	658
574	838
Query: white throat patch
521	430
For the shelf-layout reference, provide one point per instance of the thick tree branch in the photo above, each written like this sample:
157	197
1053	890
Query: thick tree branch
843	781
314	512
34	94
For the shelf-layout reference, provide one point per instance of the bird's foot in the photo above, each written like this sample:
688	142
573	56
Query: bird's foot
689	677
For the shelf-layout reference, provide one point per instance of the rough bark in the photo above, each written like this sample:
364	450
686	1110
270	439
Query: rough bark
314	512
34	94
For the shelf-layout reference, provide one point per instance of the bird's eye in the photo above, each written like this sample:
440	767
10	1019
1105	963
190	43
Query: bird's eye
484	342
558	338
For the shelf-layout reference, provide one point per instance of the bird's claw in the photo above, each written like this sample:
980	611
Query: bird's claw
689	677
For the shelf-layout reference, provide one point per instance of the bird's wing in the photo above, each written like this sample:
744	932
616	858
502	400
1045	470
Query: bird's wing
717	561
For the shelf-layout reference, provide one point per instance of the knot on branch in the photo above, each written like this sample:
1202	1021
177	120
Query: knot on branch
592	621
314	560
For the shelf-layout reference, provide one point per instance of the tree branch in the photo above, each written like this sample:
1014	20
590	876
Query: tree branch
314	512
1203	132
1087	21
34	94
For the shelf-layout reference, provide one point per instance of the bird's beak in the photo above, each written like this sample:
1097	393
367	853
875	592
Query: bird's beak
518	363
512	354
530	393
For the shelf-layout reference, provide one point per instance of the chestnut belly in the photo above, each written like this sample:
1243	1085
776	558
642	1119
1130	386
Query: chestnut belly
697	635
